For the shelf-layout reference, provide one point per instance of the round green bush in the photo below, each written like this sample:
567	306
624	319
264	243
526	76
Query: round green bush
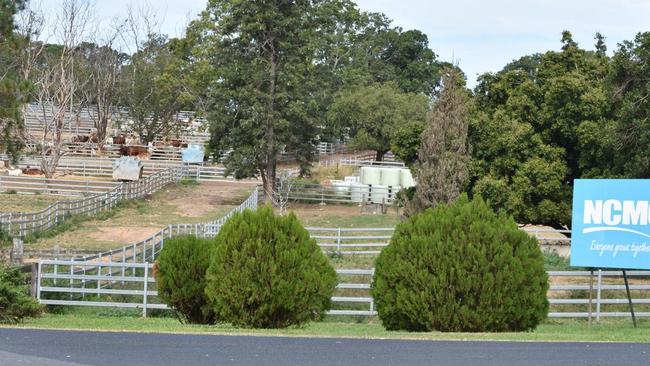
460	268
266	272
180	275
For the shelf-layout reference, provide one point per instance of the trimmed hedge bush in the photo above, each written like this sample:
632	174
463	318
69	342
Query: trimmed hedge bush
180	273
15	302
460	268
266	272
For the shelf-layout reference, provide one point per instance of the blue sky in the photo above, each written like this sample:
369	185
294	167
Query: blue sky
480	35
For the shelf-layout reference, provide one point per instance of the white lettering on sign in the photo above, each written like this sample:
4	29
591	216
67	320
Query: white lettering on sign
615	212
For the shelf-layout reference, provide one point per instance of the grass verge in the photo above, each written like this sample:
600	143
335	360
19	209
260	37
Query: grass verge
564	330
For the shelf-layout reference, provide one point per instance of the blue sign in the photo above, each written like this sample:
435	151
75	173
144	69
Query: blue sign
611	223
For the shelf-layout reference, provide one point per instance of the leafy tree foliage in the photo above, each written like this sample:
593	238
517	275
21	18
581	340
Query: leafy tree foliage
180	275
267	272
631	93
13	90
152	89
261	54
377	114
460	268
541	122
275	67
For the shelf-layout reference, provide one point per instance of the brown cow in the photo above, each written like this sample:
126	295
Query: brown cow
32	171
133	150
119	140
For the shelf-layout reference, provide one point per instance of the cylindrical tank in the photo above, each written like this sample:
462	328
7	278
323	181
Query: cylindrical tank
407	179
370	175
359	192
390	176
341	188
379	194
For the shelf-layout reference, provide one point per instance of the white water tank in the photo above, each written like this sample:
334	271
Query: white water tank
407	179
379	194
359	192
393	191
341	188
370	175
390	176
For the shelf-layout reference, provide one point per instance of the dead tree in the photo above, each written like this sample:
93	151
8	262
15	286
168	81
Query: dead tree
103	61
55	86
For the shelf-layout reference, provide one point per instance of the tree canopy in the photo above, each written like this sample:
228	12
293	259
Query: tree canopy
13	89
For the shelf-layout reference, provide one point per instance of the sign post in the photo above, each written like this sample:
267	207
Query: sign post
611	226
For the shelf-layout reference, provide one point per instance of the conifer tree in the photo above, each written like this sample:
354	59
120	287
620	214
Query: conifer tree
443	157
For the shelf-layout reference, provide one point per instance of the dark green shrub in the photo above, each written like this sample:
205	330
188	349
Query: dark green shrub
180	275
267	272
15	302
460	268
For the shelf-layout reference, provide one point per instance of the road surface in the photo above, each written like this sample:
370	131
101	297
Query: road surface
71	348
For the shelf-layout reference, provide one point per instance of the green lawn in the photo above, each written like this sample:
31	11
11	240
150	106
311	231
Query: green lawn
616	330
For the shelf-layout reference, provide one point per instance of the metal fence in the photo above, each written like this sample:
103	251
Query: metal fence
331	193
359	163
103	167
132	285
22	224
148	249
351	240
62	187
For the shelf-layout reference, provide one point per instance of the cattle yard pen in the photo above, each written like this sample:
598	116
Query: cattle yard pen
103	167
123	277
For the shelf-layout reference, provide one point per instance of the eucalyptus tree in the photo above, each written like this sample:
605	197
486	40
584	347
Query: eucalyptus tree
262	92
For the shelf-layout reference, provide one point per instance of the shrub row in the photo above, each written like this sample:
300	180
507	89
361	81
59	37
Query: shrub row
260	271
460	267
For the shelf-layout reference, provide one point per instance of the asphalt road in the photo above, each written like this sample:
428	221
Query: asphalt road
68	348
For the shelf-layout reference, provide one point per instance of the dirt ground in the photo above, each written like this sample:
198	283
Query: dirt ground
122	235
198	202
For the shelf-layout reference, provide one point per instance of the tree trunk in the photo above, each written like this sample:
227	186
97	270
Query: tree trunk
271	158
380	155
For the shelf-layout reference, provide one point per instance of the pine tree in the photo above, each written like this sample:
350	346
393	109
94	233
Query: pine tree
442	166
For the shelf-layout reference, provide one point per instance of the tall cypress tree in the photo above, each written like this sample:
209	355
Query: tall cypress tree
443	158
